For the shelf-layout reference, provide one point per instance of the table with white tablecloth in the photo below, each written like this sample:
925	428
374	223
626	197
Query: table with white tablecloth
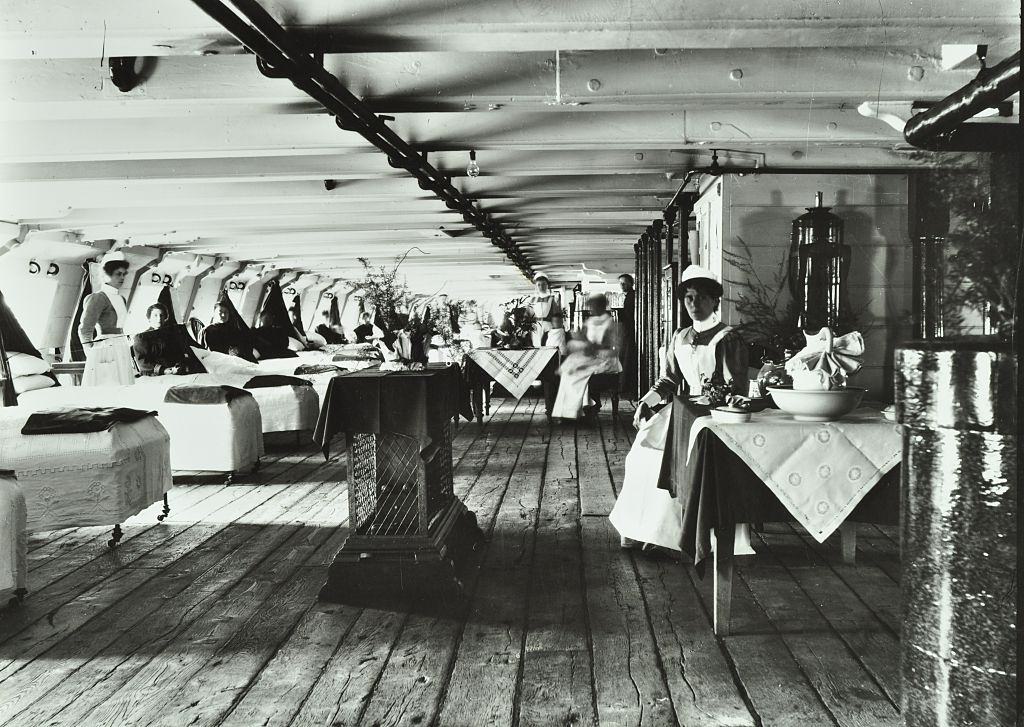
514	370
774	468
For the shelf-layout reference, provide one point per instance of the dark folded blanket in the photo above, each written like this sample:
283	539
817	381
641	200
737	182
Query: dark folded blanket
193	394
368	355
81	420
310	369
265	380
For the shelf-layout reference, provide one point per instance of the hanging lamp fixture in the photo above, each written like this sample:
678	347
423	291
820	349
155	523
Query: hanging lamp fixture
472	169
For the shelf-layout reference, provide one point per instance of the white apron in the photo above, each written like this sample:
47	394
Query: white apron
542	324
108	358
643	511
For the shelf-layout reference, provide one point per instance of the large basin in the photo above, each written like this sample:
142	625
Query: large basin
817	406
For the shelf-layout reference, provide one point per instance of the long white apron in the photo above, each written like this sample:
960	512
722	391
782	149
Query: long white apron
108	358
643	511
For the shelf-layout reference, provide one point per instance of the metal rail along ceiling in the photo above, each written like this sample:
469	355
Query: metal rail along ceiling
279	55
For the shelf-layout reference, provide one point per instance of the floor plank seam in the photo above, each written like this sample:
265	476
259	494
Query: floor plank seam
481	557
157	572
518	690
188	617
831	566
587	626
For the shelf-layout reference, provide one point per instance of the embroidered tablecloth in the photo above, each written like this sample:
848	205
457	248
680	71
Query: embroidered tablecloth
819	471
514	370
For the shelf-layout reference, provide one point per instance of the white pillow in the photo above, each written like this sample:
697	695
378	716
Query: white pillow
222	363
31	383
22	364
295	344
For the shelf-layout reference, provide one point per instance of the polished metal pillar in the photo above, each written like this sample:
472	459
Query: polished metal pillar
957	403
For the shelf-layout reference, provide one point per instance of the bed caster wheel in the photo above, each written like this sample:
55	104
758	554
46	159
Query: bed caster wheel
166	511
229	478
115	537
20	594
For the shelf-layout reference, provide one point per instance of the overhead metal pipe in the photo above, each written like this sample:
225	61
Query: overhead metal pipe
942	126
270	42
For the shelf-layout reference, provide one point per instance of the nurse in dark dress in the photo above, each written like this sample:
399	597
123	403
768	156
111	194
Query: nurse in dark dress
707	349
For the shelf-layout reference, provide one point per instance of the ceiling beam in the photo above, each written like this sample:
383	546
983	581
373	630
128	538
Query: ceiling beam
229	85
92	28
199	137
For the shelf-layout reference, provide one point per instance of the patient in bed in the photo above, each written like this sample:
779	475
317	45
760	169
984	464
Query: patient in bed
224	337
164	348
270	340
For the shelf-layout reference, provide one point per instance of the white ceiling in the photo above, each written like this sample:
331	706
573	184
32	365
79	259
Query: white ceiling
585	116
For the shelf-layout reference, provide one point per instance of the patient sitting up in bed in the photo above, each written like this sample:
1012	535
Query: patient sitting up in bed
163	348
223	337
330	333
270	340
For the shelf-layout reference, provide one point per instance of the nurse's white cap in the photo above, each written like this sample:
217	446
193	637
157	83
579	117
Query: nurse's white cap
696	272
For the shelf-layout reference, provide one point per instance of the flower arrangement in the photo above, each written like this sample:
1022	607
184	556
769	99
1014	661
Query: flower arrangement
716	390
517	332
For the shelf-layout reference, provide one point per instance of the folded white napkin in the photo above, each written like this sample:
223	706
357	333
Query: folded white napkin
826	362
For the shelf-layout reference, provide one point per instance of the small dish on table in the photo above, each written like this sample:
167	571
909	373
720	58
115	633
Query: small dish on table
730	415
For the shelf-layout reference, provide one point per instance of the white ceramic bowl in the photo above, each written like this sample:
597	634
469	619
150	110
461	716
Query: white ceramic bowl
817	406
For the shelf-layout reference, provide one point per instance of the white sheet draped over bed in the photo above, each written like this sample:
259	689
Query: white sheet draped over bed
282	408
204	437
86	479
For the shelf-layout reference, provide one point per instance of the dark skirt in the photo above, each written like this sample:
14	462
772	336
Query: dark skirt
673	463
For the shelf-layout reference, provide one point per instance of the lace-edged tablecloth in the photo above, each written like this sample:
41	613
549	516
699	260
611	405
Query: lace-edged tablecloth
819	470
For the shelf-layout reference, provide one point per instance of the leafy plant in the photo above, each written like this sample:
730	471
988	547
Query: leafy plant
982	245
767	314
382	287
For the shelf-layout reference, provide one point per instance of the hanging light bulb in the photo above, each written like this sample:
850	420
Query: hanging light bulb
472	169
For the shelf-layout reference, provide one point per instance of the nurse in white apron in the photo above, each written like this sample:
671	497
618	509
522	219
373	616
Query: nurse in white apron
646	511
108	356
547	314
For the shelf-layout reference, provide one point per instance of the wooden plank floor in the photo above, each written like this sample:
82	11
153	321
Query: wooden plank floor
211	618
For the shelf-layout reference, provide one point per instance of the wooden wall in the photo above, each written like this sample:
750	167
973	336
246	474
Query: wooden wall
758	211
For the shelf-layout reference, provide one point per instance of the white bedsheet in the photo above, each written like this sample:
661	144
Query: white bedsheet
13	538
282	408
204	437
80	480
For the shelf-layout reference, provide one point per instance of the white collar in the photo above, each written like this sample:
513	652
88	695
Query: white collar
707	324
110	290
